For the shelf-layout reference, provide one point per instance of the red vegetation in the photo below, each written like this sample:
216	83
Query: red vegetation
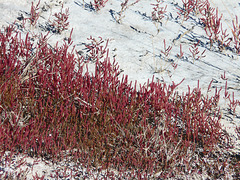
60	23
49	104
98	4
213	24
158	11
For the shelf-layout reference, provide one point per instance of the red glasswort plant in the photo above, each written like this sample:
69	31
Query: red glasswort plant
98	4
52	107
188	7
195	53
97	49
158	11
166	51
192	6
212	23
124	6
223	77
232	102
60	23
180	55
224	40
34	14
236	35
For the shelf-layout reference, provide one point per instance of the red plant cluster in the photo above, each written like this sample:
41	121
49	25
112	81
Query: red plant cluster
213	23
158	11
192	6
236	35
124	6
60	23
96	48
195	52
98	4
233	103
166	51
34	14
49	106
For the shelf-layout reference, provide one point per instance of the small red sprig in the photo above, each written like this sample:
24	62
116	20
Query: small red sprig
60	23
98	4
196	54
236	35
34	14
158	11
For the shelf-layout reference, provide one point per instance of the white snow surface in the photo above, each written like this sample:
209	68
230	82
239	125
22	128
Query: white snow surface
136	44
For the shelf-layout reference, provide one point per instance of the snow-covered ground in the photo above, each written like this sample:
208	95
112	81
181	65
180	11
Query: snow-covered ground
137	42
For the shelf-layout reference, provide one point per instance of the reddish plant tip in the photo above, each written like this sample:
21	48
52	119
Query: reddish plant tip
98	4
158	11
60	22
34	14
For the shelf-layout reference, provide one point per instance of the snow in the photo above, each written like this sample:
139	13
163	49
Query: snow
137	42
